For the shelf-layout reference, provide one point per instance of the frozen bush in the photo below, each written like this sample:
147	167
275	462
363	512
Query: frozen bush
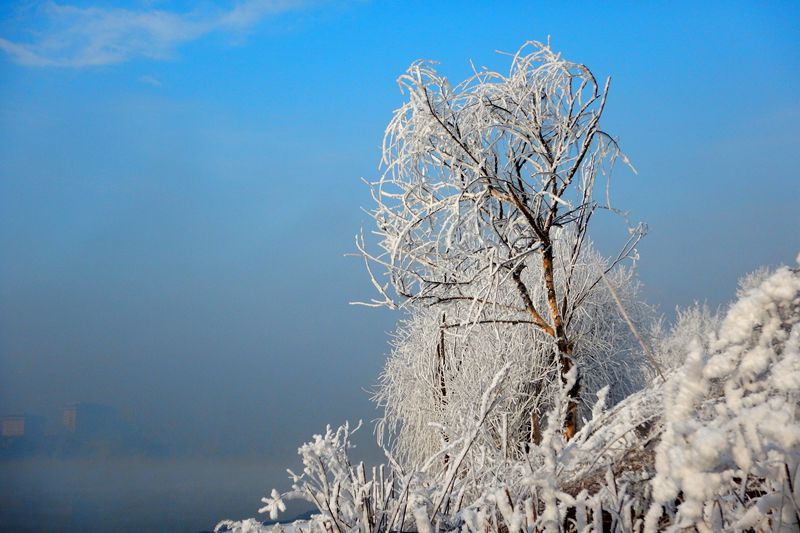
436	374
728	459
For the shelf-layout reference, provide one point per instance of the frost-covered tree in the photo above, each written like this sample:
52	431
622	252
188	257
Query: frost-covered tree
692	324
435	376
482	182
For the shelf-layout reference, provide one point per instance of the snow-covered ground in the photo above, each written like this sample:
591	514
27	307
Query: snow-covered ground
251	525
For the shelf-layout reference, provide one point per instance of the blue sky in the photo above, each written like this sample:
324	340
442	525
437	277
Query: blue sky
179	183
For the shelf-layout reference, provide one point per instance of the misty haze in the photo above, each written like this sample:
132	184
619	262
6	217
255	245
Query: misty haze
185	223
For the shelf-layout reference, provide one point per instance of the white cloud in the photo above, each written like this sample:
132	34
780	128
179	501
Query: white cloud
81	37
149	79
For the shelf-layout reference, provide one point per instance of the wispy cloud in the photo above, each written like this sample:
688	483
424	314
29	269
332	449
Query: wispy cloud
151	80
70	36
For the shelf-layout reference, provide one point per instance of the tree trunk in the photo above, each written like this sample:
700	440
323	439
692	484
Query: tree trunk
571	419
441	365
564	345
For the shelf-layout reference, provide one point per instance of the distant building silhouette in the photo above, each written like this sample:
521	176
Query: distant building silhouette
22	426
87	430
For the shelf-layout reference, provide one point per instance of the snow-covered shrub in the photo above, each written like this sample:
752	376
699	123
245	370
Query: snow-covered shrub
436	374
531	494
348	500
729	455
346	497
695	323
727	460
250	525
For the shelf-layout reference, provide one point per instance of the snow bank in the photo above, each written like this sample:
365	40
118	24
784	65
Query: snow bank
251	525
